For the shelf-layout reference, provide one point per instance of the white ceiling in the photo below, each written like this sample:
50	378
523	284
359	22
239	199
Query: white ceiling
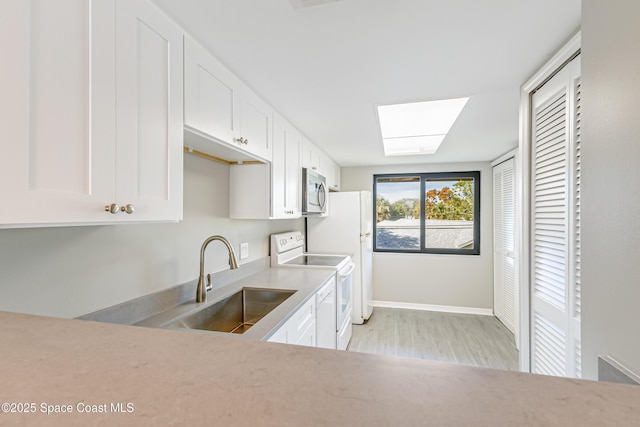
326	67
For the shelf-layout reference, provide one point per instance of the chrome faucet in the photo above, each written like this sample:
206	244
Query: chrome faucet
201	292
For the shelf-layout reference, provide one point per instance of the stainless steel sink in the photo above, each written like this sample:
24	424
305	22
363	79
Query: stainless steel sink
236	313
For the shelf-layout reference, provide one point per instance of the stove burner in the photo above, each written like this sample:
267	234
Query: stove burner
319	260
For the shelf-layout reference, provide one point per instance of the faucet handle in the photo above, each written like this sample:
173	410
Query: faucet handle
209	285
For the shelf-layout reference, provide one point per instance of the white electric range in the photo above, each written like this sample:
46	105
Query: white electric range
287	251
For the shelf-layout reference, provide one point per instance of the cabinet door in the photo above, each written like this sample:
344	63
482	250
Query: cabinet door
56	132
331	171
280	335
310	155
293	174
336	177
301	321
212	95
149	109
279	169
308	337
256	126
285	169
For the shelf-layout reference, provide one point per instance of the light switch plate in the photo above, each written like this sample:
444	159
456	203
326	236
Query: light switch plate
244	250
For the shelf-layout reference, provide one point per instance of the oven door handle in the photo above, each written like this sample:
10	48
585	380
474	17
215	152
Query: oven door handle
343	275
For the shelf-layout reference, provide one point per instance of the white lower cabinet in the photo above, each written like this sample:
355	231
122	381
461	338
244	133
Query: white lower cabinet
92	113
300	329
280	335
308	337
326	315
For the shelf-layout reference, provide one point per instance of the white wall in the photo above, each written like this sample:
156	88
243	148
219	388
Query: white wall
445	280
610	177
70	271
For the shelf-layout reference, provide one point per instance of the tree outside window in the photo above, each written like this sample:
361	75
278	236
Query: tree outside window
430	213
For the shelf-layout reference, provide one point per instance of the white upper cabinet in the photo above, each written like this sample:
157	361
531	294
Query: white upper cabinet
149	112
261	191
56	137
61	109
311	155
212	94
256	124
331	171
286	170
223	117
316	159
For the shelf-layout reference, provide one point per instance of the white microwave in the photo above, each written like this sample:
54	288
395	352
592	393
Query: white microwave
314	192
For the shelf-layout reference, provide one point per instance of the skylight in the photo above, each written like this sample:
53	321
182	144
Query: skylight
418	127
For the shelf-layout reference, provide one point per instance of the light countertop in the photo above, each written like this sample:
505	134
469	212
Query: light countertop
168	377
305	282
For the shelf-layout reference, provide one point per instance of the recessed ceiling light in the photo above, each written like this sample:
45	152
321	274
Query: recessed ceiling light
308	3
418	127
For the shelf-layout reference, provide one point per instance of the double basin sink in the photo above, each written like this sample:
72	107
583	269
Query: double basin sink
235	313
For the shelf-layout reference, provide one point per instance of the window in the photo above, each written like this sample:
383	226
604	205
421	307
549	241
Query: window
427	213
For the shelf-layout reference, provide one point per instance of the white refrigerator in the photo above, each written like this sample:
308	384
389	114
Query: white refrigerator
347	229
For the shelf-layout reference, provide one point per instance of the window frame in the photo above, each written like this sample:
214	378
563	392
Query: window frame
424	177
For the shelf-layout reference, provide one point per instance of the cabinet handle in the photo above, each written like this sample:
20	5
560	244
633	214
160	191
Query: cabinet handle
112	208
242	140
129	209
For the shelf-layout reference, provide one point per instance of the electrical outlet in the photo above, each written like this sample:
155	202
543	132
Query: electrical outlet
244	250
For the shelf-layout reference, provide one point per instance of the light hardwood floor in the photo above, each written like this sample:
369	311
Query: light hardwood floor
455	338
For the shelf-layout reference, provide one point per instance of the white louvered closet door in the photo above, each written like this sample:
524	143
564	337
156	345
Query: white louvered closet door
504	220
555	236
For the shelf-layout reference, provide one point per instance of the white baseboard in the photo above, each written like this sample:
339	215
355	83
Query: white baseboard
439	308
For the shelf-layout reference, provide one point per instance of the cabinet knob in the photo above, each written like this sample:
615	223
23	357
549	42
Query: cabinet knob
112	208
242	140
129	209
